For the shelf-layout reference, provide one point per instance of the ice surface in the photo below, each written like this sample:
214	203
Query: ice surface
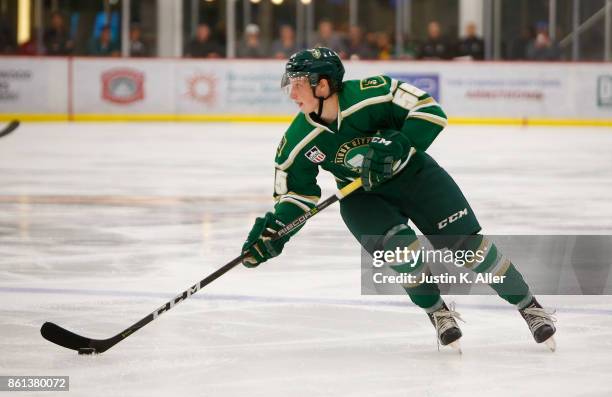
102	223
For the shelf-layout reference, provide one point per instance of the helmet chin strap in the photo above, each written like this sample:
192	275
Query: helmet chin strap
317	115
320	109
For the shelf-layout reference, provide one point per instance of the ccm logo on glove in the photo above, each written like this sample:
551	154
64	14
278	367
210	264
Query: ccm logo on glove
383	141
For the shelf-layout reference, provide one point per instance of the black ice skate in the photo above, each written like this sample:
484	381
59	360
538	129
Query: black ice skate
448	332
541	323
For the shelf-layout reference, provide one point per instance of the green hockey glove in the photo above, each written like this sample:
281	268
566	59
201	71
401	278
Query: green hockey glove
259	246
384	155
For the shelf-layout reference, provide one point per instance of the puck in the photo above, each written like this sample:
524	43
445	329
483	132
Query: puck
87	350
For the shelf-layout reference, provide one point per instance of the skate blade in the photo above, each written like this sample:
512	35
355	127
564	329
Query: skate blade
551	344
457	346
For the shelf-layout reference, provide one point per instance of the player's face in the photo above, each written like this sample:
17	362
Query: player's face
301	93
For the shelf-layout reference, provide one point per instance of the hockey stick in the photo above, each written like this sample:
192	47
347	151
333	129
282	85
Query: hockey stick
12	126
61	336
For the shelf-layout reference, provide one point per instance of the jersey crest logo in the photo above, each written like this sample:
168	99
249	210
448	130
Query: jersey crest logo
315	155
351	154
372	82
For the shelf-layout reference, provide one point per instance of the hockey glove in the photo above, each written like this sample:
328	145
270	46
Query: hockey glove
259	246
384	155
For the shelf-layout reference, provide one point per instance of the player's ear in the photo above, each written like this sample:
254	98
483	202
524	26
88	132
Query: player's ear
323	88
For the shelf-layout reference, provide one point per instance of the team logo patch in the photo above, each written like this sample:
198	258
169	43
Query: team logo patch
372	82
315	155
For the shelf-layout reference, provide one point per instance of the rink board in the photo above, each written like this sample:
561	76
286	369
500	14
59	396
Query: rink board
101	89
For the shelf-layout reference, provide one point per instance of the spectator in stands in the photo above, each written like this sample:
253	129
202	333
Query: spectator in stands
542	48
104	46
7	39
202	45
285	45
370	41
251	46
436	46
410	49
356	48
471	45
518	47
327	37
137	47
30	47
384	46
57	37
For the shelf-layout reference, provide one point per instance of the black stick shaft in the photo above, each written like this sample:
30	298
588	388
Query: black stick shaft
301	220
12	126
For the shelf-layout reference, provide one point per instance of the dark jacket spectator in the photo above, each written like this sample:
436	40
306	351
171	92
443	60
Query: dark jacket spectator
137	47
356	47
251	46
327	37
518	47
7	39
542	48
202	46
104	46
57	38
471	45
285	45
436	46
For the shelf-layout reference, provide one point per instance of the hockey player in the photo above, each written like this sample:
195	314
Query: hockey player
379	129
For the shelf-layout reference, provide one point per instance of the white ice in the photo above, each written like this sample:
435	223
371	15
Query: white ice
102	223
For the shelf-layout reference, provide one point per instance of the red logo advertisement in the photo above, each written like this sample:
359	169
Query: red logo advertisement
202	88
123	86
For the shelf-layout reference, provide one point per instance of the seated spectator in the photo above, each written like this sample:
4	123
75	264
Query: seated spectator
7	39
202	46
251	46
285	45
518	47
327	37
356	48
471	45
104	46
542	48
137	47
30	47
384	46
410	49
436	46
57	38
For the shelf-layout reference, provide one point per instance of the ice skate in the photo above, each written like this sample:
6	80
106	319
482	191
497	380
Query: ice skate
541	323
447	329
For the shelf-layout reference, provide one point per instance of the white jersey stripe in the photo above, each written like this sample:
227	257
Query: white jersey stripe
298	203
301	198
367	102
432	118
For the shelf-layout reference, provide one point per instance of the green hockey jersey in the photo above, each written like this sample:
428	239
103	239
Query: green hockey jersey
366	107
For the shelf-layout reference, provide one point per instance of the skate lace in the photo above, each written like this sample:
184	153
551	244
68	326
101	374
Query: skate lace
445	319
538	316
